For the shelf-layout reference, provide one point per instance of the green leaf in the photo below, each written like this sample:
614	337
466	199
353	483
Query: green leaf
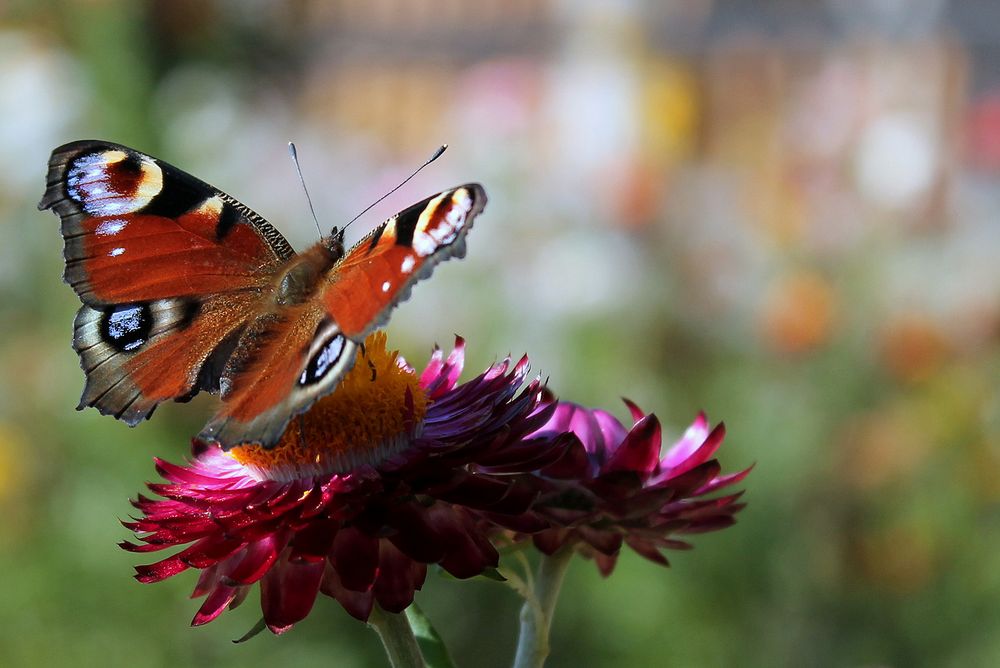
257	628
431	646
492	574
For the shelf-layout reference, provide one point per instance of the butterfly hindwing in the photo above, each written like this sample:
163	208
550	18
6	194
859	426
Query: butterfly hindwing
169	270
287	373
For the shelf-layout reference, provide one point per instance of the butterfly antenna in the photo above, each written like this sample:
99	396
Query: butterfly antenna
437	154
298	170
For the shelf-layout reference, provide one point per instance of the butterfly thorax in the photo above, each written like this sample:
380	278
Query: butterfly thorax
304	272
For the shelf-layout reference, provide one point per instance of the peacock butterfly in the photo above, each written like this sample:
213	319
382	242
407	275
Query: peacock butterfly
185	289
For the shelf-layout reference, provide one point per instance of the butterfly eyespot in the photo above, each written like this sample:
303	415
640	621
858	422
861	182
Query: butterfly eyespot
126	328
113	182
323	360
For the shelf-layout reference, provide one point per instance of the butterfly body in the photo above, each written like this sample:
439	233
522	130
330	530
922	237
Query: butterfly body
185	289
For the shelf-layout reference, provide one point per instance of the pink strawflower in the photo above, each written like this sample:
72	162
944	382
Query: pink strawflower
377	480
619	487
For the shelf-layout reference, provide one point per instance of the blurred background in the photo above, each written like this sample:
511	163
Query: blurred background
782	212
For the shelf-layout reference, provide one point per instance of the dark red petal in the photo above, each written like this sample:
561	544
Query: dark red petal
605	563
647	550
711	524
415	533
213	606
241	595
526	523
470	489
288	591
685	484
672	544
206	581
640	451
358	604
549	542
313	542
355	558
641	504
574	462
699	509
524	455
467	551
398	578
605	542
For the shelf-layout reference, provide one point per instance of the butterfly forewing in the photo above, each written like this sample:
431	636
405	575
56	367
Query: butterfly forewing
169	270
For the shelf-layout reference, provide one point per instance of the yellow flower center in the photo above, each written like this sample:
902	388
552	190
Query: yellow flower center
374	412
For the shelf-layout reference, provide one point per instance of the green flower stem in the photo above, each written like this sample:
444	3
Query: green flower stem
397	638
536	615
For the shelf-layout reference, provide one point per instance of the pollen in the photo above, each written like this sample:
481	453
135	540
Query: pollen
374	413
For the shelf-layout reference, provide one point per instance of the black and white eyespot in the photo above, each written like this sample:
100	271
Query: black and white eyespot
325	354
126	328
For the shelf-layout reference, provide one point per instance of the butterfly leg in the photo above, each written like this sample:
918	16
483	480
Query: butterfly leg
302	434
371	365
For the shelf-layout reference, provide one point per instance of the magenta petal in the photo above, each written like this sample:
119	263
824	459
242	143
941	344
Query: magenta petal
440	377
674	464
257	558
722	481
611	429
692	438
640	451
161	570
288	592
588	430
634	410
213	606
209	551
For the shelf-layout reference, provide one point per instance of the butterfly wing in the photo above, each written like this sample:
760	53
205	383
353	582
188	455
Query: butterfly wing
307	350
169	270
